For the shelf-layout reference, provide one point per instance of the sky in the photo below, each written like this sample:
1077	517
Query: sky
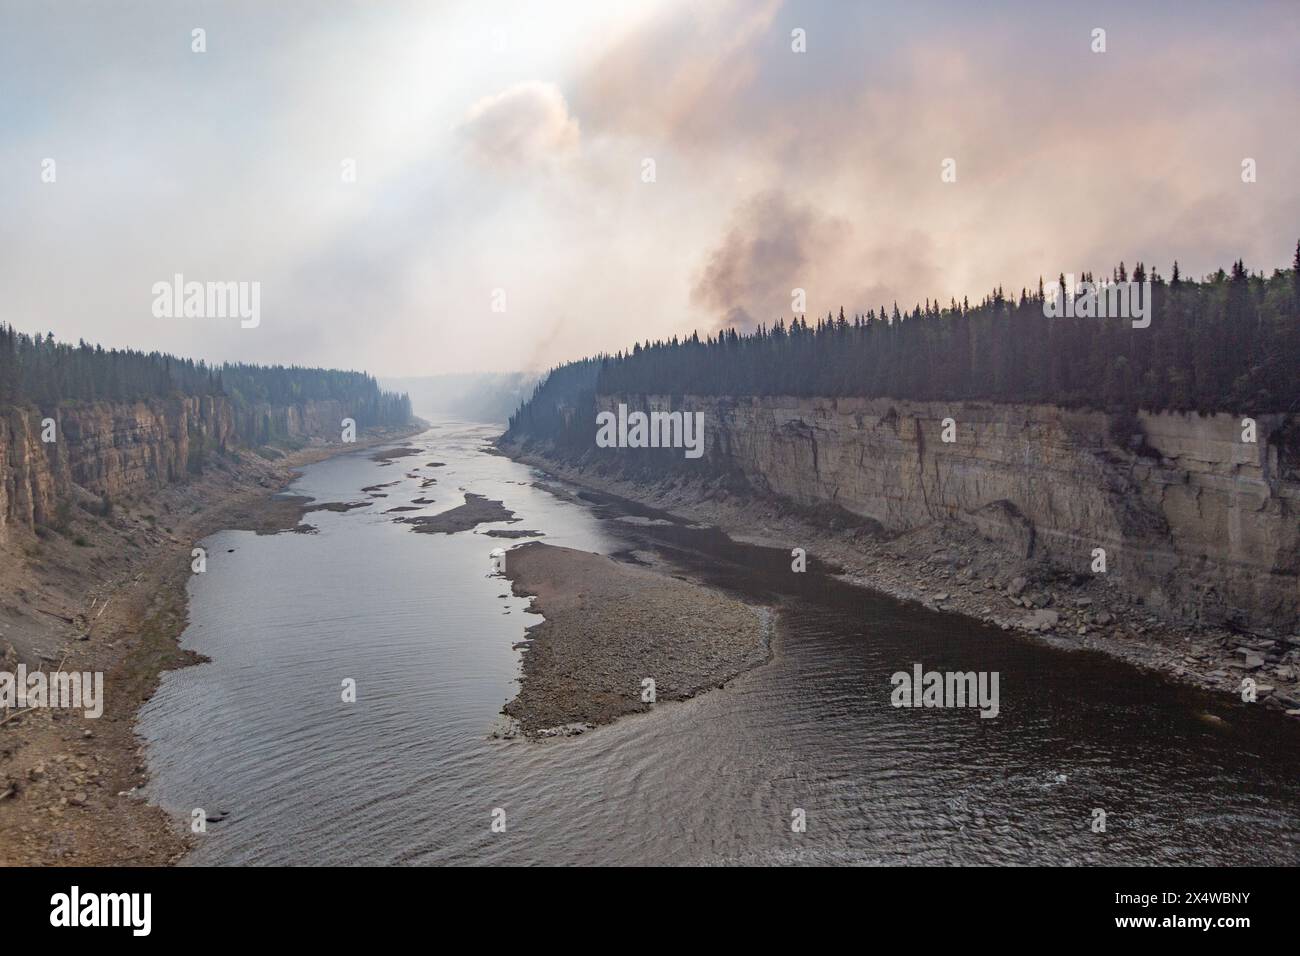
536	182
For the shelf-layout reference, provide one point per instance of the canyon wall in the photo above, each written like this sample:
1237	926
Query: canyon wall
1196	521
262	422
124	449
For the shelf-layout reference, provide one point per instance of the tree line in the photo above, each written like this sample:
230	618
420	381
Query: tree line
1229	342
358	392
40	372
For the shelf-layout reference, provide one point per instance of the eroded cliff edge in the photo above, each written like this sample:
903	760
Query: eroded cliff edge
1198	524
123	449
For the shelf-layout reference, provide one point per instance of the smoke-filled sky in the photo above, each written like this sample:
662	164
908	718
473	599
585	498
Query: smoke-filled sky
500	161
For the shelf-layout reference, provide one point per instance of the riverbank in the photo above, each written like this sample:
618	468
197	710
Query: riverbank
948	567
110	596
609	628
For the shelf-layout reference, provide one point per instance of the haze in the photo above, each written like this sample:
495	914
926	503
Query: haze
500	151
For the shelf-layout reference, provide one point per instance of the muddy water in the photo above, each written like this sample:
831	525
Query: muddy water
260	737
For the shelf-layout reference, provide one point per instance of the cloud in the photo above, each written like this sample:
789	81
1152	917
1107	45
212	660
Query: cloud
522	125
769	250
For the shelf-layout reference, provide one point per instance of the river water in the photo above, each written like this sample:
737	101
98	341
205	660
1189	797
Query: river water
261	739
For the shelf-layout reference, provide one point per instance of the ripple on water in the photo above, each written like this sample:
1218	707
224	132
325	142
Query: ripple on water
407	774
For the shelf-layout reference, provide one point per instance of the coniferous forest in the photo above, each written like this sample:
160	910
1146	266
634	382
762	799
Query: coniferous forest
1229	342
41	372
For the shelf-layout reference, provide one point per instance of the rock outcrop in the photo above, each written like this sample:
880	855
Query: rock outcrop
117	450
1197	522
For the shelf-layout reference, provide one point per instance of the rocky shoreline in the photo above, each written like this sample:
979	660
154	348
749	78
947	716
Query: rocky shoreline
947	566
609	628
111	596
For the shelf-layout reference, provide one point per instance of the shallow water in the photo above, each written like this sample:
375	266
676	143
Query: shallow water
409	773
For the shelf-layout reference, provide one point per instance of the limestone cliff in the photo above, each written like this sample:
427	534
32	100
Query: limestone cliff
1194	520
124	449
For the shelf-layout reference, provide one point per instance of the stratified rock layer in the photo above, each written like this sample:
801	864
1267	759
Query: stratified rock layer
122	449
1199	523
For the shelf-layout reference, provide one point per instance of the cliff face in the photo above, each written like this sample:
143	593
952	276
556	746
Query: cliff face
303	420
124	449
1199	523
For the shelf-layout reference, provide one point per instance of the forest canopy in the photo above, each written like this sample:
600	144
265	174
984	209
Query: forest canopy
41	372
1229	342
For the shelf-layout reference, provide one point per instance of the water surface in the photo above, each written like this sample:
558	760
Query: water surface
409	774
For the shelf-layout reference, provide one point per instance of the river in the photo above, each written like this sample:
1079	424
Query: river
260	738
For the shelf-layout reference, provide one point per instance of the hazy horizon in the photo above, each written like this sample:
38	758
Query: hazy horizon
500	153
